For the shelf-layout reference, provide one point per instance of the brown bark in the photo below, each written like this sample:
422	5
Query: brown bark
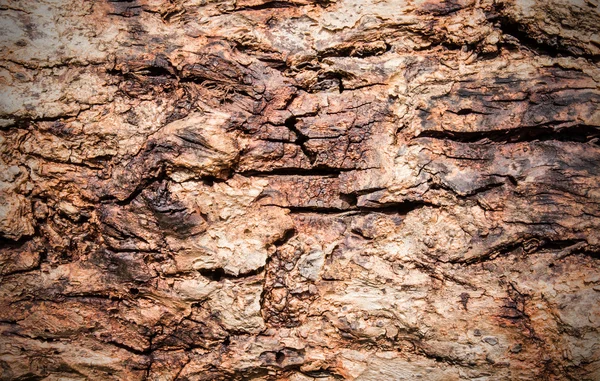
300	190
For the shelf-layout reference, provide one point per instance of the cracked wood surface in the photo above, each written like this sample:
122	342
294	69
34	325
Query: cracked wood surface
300	190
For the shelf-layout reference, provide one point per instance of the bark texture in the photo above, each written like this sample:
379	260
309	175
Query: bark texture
300	190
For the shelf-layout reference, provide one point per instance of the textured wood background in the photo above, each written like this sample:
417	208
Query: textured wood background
299	190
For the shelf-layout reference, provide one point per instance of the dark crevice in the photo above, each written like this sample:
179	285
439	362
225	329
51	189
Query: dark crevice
156	71
511	179
268	5
589	252
218	274
315	171
160	68
279	357
10	322
210	180
301	139
390	208
565	248
316	209
560	244
492	254
126	347
6	243
577	133
552	46
289	234
482	189
350	199
396	208
275	140
197	80
279	4
214	275
112	298
468	111
145	183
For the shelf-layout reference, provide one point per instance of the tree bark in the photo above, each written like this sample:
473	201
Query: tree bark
300	190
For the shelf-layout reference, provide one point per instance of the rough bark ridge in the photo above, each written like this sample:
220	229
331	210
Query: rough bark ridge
302	190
